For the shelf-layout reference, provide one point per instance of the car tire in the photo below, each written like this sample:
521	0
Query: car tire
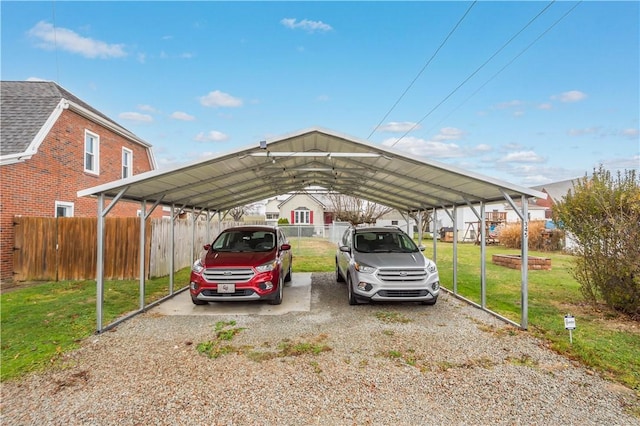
198	301
352	297
278	297
430	302
287	277
339	277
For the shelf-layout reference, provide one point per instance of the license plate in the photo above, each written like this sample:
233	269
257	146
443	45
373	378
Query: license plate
226	288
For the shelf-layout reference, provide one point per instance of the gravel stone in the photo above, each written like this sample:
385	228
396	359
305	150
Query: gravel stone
449	364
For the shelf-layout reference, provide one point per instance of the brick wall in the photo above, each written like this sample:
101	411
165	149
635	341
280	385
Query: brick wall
56	173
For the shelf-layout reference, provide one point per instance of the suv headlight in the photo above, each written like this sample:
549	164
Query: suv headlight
267	267
431	267
364	268
197	267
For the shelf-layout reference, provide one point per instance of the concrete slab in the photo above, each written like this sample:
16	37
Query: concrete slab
297	298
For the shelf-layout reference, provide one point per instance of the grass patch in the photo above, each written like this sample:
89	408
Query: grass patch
41	322
225	332
392	317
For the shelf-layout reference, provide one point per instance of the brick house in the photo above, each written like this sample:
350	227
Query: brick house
53	144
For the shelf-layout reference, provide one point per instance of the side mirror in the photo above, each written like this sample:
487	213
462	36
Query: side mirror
207	247
285	247
421	248
345	249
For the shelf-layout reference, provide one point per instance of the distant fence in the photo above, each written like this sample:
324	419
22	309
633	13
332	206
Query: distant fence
64	248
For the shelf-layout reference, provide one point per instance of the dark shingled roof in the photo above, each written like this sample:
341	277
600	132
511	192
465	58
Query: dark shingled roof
25	106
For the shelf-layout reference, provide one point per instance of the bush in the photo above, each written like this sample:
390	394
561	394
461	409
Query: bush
603	215
540	238
283	221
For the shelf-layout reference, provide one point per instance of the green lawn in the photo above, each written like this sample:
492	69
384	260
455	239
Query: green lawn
41	322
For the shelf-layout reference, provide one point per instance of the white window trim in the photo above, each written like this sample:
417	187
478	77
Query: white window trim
130	165
66	204
302	216
96	154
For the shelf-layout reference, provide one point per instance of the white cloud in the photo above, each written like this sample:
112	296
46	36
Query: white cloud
583	132
211	136
449	133
570	96
631	133
398	126
182	116
306	25
522	157
147	108
509	104
322	98
64	39
483	147
136	116
425	148
220	99
545	106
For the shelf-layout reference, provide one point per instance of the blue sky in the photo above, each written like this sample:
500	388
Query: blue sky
527	92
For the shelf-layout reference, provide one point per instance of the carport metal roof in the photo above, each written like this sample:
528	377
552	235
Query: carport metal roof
312	157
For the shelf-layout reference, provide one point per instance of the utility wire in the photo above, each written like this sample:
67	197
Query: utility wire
423	68
475	72
508	64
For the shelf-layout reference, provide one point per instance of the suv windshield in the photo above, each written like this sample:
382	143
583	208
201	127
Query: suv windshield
384	242
236	241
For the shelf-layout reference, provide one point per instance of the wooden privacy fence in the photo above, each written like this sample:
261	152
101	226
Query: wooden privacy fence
64	248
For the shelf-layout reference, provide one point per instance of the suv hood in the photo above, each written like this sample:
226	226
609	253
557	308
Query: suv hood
392	260
214	259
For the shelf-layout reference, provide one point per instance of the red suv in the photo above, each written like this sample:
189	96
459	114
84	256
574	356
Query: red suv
243	263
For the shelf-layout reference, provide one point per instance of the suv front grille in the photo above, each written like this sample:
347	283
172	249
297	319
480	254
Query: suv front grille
228	275
402	275
403	293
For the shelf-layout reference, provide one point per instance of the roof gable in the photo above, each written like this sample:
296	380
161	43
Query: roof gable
30	108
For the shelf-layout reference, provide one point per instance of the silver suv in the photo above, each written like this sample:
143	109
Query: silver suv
384	264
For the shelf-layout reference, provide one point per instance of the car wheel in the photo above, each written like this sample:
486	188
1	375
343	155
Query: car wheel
198	301
339	277
287	278
430	302
352	297
278	297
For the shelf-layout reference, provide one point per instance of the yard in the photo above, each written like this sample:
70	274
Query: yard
41	322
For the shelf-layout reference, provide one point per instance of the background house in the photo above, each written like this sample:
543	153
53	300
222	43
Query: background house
53	144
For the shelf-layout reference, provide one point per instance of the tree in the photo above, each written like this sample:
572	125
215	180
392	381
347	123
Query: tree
237	213
602	213
355	210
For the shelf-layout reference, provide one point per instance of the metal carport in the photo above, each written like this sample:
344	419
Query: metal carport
314	157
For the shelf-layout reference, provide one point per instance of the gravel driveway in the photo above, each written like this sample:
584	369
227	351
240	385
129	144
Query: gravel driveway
382	364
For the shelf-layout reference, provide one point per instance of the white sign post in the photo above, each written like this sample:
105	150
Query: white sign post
570	324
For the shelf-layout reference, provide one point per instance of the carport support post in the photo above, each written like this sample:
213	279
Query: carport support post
455	250
524	293
434	222
483	250
524	255
143	216
172	247
100	264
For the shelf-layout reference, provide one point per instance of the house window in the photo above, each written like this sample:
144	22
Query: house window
394	222
64	209
302	217
127	161
273	216
91	152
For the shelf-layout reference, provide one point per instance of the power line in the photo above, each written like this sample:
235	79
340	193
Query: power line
423	68
475	72
509	63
